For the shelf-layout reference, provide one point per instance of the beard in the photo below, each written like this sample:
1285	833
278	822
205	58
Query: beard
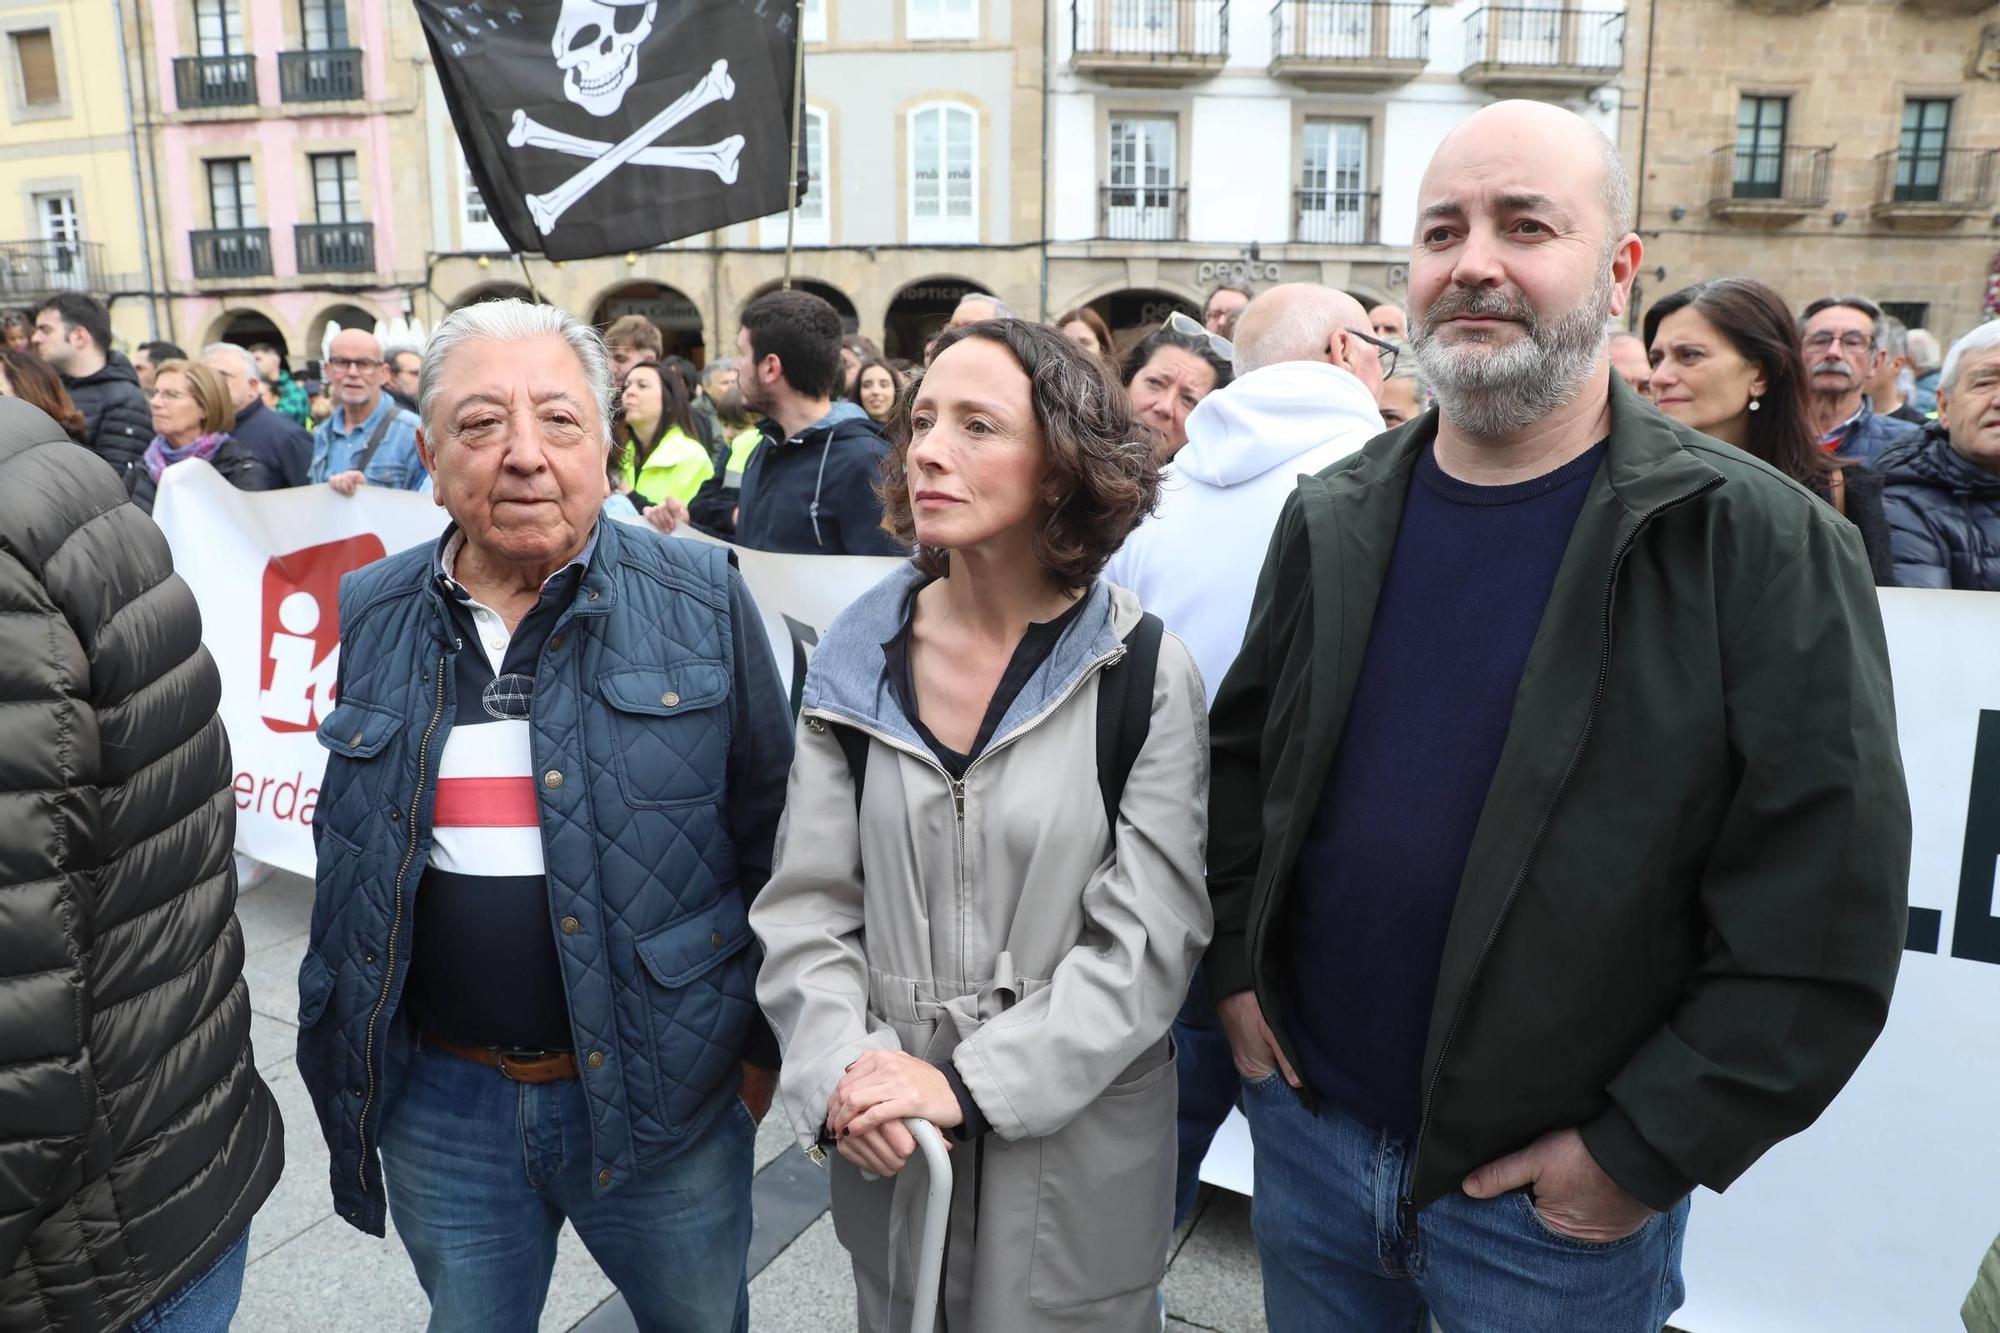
1489	389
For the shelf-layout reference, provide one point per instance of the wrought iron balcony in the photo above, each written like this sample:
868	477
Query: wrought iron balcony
1776	183
205	81
1149	41
1143	212
319	76
1337	217
231	252
1349	44
1523	49
335	247
30	270
1941	185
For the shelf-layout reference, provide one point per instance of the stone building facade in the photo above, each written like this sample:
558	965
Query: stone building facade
1824	146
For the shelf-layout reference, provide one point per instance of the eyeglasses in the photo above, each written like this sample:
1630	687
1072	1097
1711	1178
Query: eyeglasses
1849	342
171	395
340	363
1386	350
1187	328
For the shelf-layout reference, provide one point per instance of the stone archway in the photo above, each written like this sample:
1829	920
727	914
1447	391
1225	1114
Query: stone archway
918	311
668	308
244	327
1134	312
343	316
850	322
492	291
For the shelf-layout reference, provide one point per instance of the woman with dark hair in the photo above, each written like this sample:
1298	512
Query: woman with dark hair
1726	362
1087	329
664	456
978	916
1168	372
876	387
25	376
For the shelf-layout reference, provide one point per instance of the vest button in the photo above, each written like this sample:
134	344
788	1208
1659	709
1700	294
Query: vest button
715	940
552	779
356	740
555	643
670	699
596	1060
570	925
604	1177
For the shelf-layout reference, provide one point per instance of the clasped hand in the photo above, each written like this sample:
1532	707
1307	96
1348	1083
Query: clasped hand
866	1111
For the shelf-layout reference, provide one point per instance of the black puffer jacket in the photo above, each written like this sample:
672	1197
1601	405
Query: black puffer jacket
1944	516
117	421
136	1138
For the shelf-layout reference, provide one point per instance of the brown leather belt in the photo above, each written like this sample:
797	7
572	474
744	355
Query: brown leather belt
521	1066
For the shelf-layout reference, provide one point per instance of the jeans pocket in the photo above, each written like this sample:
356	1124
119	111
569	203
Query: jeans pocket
1525	1198
1263	1084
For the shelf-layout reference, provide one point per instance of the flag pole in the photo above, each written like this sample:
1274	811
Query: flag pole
798	116
528	277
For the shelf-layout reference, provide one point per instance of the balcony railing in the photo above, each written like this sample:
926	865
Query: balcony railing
1789	179
1143	212
203	81
319	76
335	247
1156	39
1350	32
1951	182
1522	46
1337	217
232	252
33	269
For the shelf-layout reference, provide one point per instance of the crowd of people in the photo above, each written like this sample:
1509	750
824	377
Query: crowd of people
1249	723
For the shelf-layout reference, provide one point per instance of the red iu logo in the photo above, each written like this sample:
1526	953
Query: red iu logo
302	630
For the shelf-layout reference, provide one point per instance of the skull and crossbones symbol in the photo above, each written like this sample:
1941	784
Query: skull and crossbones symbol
596	46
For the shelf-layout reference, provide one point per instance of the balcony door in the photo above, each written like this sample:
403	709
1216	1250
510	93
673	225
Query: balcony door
1920	155
323	24
1333	183
62	240
1338	29
1531	32
236	247
1140	25
1140	198
218	28
1760	147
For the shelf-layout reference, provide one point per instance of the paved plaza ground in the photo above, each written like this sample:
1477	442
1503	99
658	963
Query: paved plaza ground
312	1273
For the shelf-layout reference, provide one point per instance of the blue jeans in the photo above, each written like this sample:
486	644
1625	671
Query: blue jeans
482	1172
1335	1255
206	1302
1208	1084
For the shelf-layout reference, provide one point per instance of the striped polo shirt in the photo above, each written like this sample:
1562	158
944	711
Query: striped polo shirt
483	965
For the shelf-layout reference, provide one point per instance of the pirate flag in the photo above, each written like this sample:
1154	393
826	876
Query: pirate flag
598	127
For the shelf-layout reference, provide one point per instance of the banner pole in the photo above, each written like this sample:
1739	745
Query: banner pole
798	115
528	277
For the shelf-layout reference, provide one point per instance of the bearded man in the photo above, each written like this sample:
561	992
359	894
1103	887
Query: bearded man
1558	838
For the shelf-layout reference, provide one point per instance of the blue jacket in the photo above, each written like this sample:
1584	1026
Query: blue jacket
814	494
1871	434
663	740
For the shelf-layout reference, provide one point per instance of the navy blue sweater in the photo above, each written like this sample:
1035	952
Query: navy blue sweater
814	494
1379	872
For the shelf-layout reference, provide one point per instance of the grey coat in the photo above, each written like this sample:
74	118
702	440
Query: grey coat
997	922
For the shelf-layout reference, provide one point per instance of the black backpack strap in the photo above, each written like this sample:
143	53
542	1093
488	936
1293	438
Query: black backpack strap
1125	711
853	744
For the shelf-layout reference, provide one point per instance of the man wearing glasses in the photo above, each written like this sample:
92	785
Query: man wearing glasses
1843	346
368	439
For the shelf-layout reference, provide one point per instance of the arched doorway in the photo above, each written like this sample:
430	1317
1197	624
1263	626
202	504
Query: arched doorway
331	321
850	322
493	291
918	312
1136	311
246	328
676	317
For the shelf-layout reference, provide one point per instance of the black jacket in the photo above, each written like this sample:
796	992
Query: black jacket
136	1138
1944	516
1862	504
117	421
814	494
243	469
282	444
1683	908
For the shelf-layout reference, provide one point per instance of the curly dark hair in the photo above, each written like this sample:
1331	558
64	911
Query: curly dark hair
1101	480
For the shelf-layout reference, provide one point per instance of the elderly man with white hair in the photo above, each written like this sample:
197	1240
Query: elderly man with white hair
553	782
1941	493
1558	839
280	441
1307	372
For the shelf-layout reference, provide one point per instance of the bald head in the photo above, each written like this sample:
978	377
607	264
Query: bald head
1552	142
1298	321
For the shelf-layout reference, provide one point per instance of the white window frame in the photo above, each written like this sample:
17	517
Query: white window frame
813	226
814	27
476	229
942	229
218	28
336	185
59	225
941	20
1340	179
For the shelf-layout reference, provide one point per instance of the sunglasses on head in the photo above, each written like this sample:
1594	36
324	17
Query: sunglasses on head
1187	328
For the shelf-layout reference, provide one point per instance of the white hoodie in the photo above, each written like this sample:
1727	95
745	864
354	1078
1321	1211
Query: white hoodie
1195	563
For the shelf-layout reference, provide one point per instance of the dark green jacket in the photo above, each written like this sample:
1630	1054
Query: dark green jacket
1683	907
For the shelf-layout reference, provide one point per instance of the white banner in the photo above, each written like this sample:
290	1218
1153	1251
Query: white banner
1875	1218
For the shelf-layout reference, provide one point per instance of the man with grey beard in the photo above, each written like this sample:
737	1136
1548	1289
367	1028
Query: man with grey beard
1558	837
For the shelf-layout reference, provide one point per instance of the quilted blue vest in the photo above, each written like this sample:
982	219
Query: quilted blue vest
632	721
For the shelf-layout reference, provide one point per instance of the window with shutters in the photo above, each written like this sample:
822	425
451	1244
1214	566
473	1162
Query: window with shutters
37	84
944	174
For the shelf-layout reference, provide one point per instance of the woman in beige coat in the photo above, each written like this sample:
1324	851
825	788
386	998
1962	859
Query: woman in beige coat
954	929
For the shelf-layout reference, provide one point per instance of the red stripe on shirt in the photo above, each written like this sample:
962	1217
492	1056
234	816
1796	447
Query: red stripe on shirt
485	803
